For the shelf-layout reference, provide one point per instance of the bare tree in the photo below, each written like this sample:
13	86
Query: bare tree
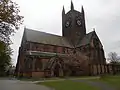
113	58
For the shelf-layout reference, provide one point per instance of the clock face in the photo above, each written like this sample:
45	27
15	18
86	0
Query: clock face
67	24
79	22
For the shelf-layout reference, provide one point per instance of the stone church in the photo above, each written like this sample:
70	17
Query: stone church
76	52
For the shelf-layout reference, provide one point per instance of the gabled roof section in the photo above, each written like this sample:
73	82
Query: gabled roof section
46	38
73	12
23	38
86	39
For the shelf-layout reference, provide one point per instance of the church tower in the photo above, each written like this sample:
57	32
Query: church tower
73	24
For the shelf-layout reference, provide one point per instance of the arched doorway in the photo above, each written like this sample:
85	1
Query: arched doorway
57	70
55	65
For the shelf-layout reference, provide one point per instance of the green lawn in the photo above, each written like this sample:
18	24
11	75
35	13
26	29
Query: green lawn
54	78
38	79
112	80
68	85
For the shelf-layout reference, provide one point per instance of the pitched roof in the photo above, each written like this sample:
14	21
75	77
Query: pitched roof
86	39
73	12
46	38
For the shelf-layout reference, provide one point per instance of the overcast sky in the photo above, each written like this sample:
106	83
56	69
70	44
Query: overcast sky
45	15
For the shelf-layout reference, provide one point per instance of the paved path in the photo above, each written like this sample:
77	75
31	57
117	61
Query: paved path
6	84
66	79
101	85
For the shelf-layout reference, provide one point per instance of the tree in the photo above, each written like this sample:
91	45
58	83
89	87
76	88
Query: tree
113	58
10	19
5	59
77	59
75	63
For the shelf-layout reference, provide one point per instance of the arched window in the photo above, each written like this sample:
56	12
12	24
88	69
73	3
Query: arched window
28	63
38	64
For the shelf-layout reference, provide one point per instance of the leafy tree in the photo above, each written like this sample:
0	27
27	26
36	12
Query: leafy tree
113	58
5	59
9	19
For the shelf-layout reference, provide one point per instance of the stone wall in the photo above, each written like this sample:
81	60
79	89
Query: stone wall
27	74
37	74
104	69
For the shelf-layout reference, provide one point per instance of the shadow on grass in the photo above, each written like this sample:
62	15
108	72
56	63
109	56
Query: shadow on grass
113	80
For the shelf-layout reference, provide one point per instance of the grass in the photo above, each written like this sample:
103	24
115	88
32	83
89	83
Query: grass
68	85
71	85
77	77
53	78
38	79
112	80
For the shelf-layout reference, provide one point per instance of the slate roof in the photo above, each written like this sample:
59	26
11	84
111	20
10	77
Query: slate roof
73	12
86	39
46	38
